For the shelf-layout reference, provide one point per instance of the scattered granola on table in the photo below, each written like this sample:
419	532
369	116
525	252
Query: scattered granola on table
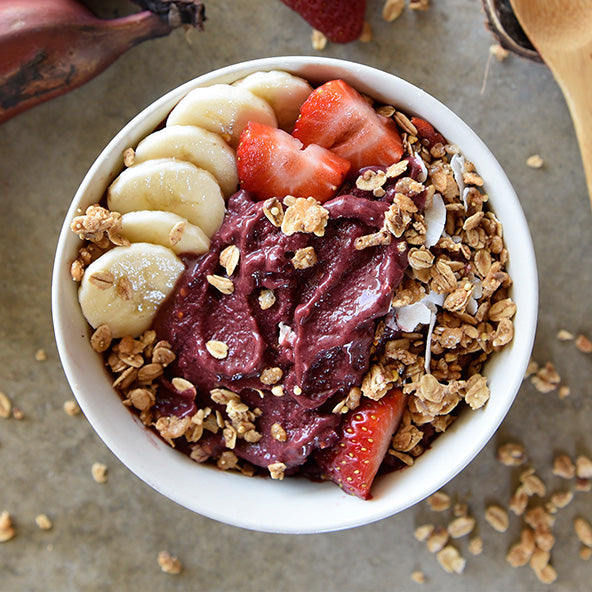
7	530
43	522
5	406
99	472
169	564
71	408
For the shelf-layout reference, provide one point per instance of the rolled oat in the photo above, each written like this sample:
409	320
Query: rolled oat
497	517
7	530
439	501
5	406
392	9
583	467
71	408
43	522
451	560
564	467
461	526
99	472
583	531
437	539
583	344
169	564
511	454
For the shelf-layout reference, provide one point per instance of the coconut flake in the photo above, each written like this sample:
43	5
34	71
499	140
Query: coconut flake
435	220
465	197
477	288
411	315
423	175
476	293
428	350
408	317
433	300
457	163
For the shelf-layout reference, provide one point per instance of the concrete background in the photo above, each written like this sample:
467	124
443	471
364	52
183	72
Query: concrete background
107	536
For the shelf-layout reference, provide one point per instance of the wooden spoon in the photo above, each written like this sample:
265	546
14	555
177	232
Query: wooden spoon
561	31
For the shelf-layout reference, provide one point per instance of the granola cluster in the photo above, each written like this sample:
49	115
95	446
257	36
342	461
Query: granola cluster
100	229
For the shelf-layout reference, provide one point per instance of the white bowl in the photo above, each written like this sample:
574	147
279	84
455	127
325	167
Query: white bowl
295	505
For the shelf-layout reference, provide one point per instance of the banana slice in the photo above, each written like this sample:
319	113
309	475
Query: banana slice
166	229
222	109
284	92
172	186
124	287
201	147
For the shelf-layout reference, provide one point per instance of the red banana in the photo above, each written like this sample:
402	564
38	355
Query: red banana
48	47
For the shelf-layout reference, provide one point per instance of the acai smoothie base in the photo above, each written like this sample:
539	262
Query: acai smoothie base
330	332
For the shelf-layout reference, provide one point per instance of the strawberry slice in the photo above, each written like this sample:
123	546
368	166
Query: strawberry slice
353	461
337	116
341	21
426	132
271	163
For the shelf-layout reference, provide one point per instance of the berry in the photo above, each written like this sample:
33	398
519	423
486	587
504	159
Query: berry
426	132
366	432
272	163
337	117
341	21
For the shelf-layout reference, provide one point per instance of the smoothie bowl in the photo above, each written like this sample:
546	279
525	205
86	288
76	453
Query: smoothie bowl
295	295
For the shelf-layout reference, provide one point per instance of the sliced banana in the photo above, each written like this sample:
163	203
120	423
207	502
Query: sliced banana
284	92
172	186
124	287
222	109
166	229
201	147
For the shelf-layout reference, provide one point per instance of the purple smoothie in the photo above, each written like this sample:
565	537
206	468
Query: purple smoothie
328	312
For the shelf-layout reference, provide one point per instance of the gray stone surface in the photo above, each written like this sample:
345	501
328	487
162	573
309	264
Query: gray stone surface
107	536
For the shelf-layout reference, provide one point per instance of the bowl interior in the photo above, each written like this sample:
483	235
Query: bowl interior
294	505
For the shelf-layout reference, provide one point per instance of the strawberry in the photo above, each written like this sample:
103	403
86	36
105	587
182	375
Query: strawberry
341	21
366	432
426	132
336	116
271	163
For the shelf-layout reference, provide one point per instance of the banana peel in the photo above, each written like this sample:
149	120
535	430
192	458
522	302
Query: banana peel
49	47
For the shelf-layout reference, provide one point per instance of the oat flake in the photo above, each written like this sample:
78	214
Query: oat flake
99	472
169	564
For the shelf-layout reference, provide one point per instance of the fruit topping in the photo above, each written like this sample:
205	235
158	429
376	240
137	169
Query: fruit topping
169	185
272	163
222	109
284	92
337	117
206	150
341	21
365	436
126	285
426	132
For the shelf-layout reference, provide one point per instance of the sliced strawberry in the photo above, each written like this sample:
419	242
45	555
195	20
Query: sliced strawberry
341	21
426	132
337	116
353	461
271	163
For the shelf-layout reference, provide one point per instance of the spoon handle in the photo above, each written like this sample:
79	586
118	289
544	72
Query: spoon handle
576	83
